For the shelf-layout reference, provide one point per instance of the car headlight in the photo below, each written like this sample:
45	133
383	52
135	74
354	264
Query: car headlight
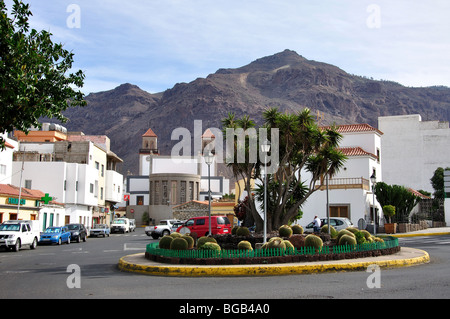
11	236
56	236
76	233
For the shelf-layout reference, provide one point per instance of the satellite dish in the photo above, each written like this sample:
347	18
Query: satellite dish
362	223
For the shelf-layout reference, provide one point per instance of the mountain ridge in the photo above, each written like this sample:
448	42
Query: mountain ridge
285	80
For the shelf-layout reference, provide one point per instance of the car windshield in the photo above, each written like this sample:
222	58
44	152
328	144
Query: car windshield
163	222
10	227
99	226
119	221
223	221
52	230
73	227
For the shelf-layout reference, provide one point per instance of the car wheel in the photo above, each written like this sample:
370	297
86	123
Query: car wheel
84	238
155	236
79	239
59	241
166	233
16	247
34	244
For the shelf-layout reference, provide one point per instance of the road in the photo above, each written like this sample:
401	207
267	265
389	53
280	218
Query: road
89	270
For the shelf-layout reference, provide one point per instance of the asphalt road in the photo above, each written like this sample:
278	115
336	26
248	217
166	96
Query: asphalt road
89	270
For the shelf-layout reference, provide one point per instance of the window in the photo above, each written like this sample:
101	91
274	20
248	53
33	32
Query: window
173	193
157	192
103	170
200	221
139	200
28	183
97	165
183	192
91	188
165	193
191	190
339	211
101	192
2	169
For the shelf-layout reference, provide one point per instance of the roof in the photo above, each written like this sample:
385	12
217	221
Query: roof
149	133
418	194
208	134
11	190
355	128
356	151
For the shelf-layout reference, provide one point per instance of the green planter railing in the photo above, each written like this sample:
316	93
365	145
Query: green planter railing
153	249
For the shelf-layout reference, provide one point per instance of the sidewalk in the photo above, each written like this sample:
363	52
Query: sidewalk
406	257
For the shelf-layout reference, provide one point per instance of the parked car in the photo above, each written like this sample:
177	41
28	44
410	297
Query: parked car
55	235
99	230
78	232
164	228
175	226
200	225
120	225
337	222
15	234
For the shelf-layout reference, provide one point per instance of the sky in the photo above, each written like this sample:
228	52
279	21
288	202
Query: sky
155	44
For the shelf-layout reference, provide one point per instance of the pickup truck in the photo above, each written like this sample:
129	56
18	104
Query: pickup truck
164	228
16	234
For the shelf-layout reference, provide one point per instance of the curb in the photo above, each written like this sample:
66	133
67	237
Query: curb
129	264
419	234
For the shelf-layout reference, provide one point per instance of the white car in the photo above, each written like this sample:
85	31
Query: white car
337	222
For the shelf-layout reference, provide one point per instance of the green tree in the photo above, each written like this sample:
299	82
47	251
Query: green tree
437	181
33	79
398	196
303	146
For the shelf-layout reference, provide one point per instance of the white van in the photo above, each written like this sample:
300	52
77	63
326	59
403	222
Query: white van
120	225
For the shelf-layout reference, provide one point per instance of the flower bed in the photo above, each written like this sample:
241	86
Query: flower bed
229	256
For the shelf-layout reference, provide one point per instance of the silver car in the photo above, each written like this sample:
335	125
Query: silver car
337	222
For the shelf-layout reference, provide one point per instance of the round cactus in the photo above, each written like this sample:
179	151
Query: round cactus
175	235
333	232
245	245
343	232
179	244
354	230
276	243
275	238
288	244
165	242
297	229
205	239
189	240
233	230
347	240
285	231
243	231
367	235
210	246
314	241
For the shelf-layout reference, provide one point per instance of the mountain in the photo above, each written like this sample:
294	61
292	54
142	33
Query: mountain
285	80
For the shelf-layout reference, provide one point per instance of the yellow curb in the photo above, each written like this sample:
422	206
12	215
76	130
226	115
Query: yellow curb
158	269
419	235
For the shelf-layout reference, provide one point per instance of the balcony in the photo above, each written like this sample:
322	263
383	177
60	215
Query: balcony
347	183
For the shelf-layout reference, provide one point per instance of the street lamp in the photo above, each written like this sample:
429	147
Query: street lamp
373	179
209	158
265	148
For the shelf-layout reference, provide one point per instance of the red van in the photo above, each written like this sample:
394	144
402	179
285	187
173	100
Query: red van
200	225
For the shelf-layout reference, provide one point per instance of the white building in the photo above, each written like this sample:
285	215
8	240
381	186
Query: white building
78	171
6	159
350	190
413	149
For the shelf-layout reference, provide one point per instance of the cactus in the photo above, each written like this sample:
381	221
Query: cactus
275	238
233	230
333	232
165	242
378	240
243	231
347	240
285	231
288	244
360	238
202	240
189	240
354	230
314	241
297	229
276	243
245	245
367	235
343	232
210	246
179	244
175	235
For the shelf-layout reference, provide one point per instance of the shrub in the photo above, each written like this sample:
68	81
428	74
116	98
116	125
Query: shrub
243	231
314	241
165	242
233	230
360	238
297	229
245	245
389	211
179	244
285	231
202	240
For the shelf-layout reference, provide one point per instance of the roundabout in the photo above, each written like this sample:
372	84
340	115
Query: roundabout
137	263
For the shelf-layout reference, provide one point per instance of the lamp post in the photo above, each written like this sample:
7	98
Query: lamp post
209	158
265	148
373	179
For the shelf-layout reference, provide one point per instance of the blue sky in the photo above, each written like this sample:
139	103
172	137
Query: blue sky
157	43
